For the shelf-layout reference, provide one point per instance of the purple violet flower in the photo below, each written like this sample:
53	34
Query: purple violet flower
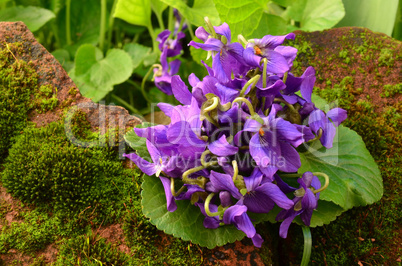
305	202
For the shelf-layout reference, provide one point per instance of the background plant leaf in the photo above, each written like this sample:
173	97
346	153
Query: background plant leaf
158	6
34	17
315	15
95	75
137	53
355	179
137	12
195	14
373	14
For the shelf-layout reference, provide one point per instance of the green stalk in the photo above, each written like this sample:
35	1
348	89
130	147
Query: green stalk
190	30
111	22
154	42
307	245
68	25
125	104
170	19
160	20
102	24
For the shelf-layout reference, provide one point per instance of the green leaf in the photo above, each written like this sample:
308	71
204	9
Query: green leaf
270	24
315	15
355	179
94	75
137	53
195	14
243	16
372	14
138	143
158	6
63	56
186	222
137	12
34	17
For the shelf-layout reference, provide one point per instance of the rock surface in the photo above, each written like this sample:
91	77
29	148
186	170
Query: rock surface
51	72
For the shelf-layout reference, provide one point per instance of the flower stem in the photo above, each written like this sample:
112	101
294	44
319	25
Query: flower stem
210	27
203	155
318	136
307	245
326	182
125	104
264	74
174	193
206	206
247	102
144	80
251	82
235	170
213	105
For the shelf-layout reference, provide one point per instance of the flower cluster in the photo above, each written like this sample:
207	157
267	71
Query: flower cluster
237	133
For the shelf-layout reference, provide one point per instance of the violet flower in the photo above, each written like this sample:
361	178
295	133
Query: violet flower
305	202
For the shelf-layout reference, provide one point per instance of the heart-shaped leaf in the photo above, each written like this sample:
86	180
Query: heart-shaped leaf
94	75
186	222
355	179
34	17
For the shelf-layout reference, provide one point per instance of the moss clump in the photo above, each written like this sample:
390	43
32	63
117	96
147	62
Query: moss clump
391	90
35	232
44	168
46	98
18	80
386	58
90	249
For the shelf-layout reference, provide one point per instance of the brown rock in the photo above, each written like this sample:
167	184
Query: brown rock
51	72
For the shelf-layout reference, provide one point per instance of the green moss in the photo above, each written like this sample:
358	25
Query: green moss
46	98
18	80
44	168
33	233
72	91
391	90
90	249
386	58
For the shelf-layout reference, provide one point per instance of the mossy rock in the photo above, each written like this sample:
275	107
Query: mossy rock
46	169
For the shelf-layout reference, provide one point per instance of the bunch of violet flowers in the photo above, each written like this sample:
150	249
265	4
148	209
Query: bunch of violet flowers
237	134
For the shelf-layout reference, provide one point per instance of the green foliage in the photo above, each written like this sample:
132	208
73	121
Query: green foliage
186	222
90	249
386	58
18	80
96	75
142	8
46	169
256	19
195	14
372	14
34	17
354	176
